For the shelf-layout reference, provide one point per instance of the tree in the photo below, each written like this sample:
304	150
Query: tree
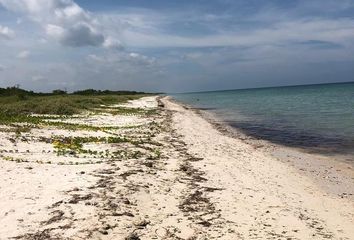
59	92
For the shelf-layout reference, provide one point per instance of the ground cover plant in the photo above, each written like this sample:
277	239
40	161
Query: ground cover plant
22	111
18	105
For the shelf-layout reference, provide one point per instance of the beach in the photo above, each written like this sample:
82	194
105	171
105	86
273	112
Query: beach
165	172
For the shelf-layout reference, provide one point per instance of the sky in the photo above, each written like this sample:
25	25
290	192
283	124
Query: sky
174	46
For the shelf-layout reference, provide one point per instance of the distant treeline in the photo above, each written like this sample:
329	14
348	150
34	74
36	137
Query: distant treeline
16	91
105	92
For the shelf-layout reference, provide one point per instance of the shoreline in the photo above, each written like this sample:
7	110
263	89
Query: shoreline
337	147
164	172
329	180
322	168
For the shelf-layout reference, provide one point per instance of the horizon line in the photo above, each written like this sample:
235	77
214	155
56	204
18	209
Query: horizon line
253	88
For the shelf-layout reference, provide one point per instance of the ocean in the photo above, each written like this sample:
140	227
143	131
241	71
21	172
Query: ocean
317	117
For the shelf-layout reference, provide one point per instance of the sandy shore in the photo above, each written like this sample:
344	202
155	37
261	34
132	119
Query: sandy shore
164	174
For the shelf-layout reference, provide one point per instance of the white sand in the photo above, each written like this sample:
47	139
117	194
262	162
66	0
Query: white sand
263	196
145	103
190	182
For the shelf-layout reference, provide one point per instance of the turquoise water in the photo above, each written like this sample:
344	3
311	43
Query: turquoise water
316	116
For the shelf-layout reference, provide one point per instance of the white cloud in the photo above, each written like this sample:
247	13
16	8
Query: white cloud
64	21
54	31
96	58
141	28
112	43
188	45
81	34
38	78
124	60
6	33
337	31
142	59
2	68
23	55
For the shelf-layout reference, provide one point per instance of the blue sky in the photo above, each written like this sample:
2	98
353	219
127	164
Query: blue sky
175	46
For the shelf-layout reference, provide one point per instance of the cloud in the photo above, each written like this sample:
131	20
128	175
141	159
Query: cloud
54	31
25	6
267	24
80	35
6	33
23	55
70	25
112	43
2	68
124	60
320	44
38	78
64	21
141	59
337	31
179	47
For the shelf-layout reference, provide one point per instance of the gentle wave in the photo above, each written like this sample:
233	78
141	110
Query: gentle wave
312	116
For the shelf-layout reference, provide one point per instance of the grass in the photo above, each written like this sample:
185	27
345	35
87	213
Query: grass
16	129
127	111
77	142
23	112
19	108
74	146
57	105
8	119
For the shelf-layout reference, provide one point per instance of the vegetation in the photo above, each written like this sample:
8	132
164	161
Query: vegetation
16	105
13	91
22	110
59	105
90	92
